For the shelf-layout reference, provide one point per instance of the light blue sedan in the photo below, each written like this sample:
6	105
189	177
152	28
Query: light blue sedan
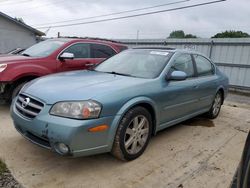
120	104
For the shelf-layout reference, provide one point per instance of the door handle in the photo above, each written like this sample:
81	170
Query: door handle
89	64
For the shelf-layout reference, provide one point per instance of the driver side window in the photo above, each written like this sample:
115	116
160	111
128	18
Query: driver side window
80	50
183	63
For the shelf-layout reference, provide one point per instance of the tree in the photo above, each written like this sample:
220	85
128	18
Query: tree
189	36
180	35
231	34
177	34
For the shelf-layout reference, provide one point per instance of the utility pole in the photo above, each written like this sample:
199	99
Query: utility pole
137	37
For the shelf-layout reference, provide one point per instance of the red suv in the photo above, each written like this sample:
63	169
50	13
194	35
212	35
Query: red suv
52	56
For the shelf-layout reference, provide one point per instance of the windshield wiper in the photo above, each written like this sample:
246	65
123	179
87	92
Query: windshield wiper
118	73
26	55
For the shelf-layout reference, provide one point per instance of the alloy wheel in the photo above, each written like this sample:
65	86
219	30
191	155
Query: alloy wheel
217	104
136	134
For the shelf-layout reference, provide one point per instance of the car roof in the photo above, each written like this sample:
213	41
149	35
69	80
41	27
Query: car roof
168	49
87	39
165	48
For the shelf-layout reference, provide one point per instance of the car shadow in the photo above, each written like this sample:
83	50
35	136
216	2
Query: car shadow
199	121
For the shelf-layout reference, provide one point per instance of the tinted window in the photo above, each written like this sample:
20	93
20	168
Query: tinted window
204	67
101	51
80	50
183	63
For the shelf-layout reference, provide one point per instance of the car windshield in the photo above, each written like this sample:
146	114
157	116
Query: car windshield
43	49
141	63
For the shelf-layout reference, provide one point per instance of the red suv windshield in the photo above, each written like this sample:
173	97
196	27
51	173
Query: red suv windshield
43	49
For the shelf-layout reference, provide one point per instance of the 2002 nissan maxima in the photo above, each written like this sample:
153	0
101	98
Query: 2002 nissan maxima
120	104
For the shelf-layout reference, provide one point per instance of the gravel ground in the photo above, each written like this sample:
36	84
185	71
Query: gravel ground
7	180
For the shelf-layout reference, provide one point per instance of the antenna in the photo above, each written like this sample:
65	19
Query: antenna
46	32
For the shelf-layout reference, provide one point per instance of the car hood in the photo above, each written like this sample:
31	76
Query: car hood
7	58
77	85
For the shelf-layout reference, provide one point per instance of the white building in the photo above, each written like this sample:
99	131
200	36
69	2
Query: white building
15	34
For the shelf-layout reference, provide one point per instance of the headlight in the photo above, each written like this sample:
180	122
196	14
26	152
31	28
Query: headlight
78	110
3	67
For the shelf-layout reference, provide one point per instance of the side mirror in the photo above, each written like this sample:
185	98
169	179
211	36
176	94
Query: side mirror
66	55
178	76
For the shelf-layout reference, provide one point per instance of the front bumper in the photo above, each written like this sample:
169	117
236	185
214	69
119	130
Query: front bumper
46	131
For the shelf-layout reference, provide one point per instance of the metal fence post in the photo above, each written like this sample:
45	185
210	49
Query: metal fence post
211	49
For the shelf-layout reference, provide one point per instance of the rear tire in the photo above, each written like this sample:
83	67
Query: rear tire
216	106
133	134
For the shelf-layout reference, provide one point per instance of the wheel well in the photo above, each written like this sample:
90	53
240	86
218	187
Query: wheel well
10	87
24	79
152	113
222	94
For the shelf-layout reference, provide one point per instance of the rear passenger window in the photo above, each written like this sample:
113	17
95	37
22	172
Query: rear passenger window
101	51
204	66
183	63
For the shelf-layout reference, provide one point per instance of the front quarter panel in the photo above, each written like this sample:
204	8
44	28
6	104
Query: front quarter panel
14	72
127	106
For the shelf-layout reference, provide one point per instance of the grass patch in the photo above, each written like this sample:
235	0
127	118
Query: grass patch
3	167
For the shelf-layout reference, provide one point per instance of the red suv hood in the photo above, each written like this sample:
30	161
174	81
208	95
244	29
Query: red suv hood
14	58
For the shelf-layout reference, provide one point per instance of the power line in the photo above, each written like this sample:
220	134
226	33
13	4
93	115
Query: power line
13	3
39	6
135	15
4	1
116	13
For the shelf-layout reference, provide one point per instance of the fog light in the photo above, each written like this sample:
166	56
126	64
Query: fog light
62	148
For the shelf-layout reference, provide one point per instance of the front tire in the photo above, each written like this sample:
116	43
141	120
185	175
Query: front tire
16	90
133	134
216	106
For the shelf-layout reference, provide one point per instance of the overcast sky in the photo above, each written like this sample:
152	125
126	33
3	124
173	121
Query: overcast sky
203	21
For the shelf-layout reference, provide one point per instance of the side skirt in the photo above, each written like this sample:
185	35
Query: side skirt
179	120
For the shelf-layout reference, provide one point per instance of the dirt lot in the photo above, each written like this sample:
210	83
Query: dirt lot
197	153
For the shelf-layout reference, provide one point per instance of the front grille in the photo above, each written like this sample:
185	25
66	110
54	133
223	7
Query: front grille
28	106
